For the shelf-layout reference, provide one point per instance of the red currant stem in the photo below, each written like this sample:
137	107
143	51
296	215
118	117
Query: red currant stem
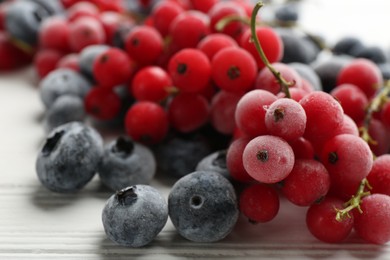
25	47
354	202
375	105
231	18
284	84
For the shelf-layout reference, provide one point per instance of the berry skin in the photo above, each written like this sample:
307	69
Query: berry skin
352	99
379	176
87	57
308	182
222	110
270	41
215	162
203	206
102	103
11	57
259	203
203	5
321	221
190	70
348	160
126	163
84	32
182	115
362	73
54	34
188	28
163	13
179	154
68	160
134	216
324	115
250	112
112	68
144	45
61	82
146	122
373	225
268	159
65	109
266	80
213	43
151	83
45	61
286	118
233	69
234	160
69	61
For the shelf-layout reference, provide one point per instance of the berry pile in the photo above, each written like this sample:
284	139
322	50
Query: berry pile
239	112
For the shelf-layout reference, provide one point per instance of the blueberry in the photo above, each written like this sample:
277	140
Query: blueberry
373	53
134	216
203	206
296	47
215	162
287	13
385	70
308	73
65	109
347	46
178	154
53	7
329	69
87	57
69	158
23	19
61	82
126	163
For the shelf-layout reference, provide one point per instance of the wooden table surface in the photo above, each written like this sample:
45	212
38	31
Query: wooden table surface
38	224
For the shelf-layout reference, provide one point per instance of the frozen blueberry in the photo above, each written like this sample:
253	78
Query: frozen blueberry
87	57
308	73
23	19
203	206
65	109
135	215
62	82
53	7
215	162
69	157
126	163
178	154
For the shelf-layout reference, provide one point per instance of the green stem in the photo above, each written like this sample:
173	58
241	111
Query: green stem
375	105
231	18
284	84
354	202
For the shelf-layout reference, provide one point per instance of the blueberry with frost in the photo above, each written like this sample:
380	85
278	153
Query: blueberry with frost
134	216
62	82
203	206
69	158
126	163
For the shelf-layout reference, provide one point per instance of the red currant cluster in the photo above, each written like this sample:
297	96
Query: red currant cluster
191	63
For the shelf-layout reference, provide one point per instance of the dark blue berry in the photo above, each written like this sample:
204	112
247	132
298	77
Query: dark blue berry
215	162
62	82
23	19
126	163
373	53
203	206
134	216
348	45
69	158
65	109
287	13
178	154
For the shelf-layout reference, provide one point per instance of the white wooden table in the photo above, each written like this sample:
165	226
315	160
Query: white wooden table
38	224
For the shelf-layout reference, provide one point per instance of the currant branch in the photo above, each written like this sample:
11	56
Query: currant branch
284	84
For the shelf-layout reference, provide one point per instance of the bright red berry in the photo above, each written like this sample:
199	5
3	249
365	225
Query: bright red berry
102	103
